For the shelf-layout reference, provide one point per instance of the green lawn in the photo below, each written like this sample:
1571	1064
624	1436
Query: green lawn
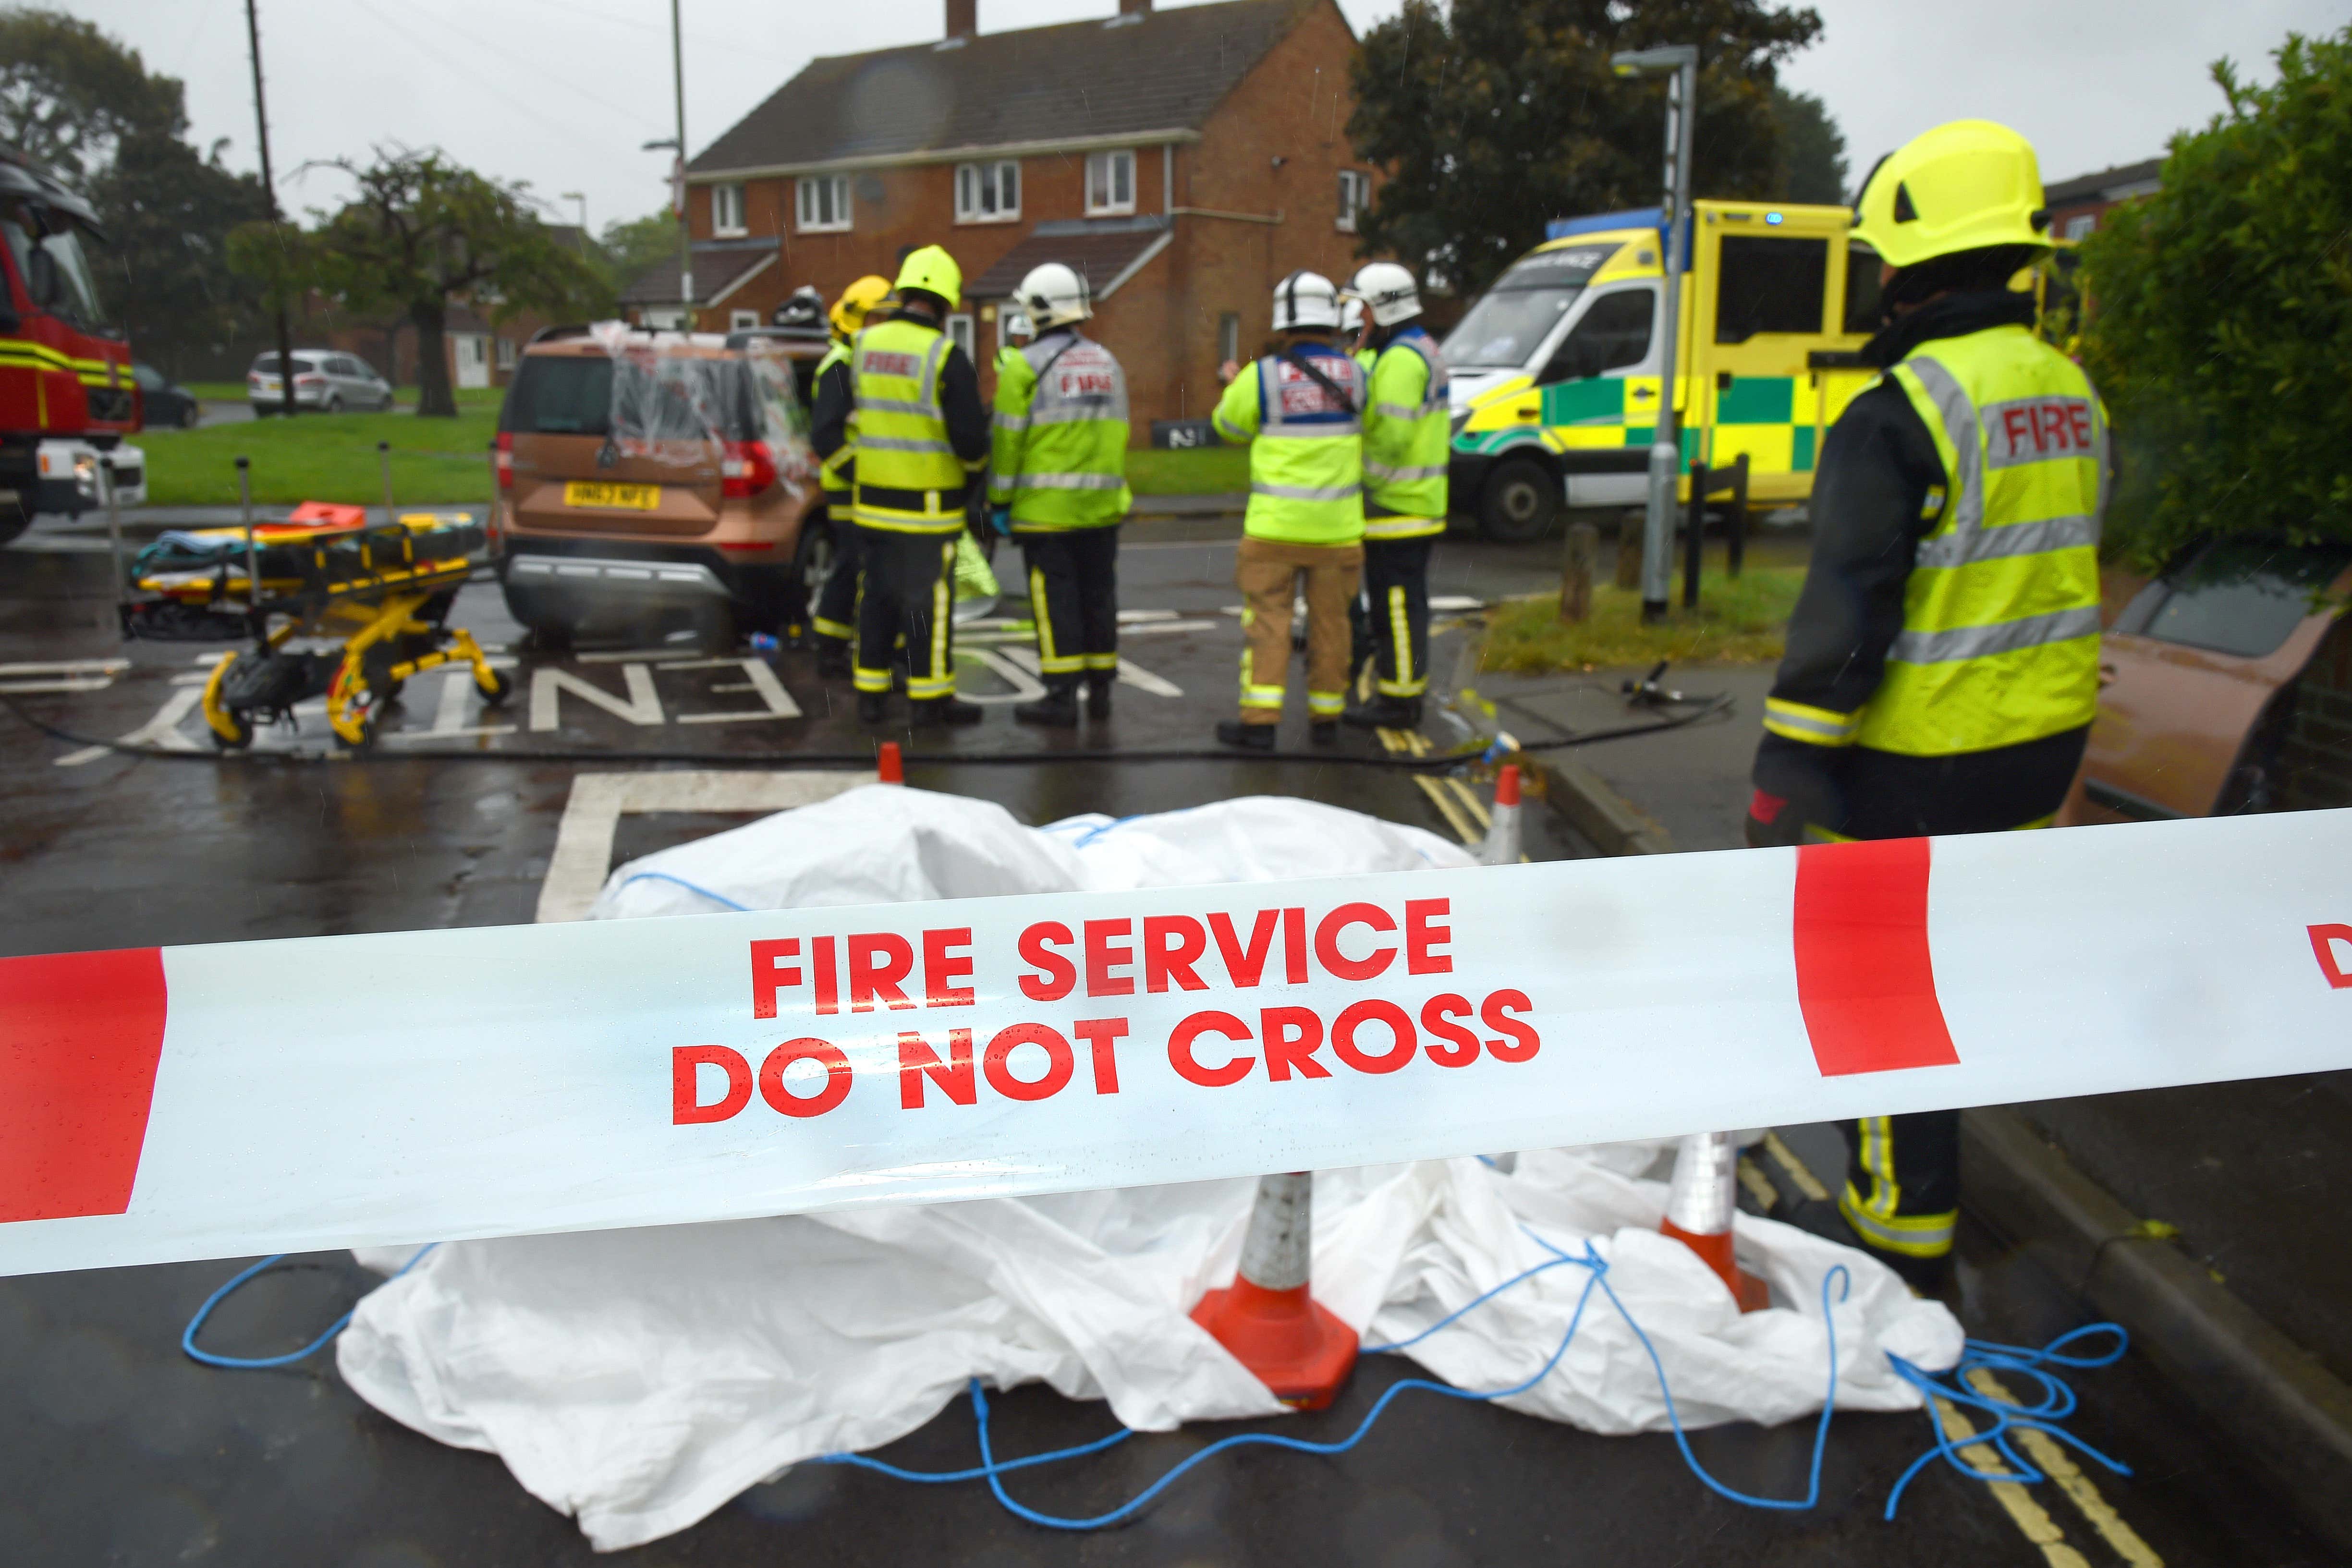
1202	471
325	457
235	391
1737	621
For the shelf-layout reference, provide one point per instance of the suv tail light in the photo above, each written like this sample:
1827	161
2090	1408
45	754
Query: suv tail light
310	381
749	468
506	459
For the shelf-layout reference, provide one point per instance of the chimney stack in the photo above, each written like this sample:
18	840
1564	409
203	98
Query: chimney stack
1135	7
964	19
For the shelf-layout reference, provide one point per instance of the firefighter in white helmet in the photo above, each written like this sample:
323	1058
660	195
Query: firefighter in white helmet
1405	440
1057	484
1300	412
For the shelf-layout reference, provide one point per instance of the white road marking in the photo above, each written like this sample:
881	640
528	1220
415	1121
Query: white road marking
1142	679
163	731
1016	666
584	843
641	708
776	702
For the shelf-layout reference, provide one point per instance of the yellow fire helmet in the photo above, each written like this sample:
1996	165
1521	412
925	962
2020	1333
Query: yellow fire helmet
1961	186
849	311
933	269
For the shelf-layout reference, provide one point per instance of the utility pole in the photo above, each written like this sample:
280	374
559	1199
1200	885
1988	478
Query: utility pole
1678	63
684	233
270	186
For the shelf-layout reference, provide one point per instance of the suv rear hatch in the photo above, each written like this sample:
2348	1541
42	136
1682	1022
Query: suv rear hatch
574	475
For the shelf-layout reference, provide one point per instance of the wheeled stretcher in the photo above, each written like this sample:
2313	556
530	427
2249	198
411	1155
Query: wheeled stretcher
381	593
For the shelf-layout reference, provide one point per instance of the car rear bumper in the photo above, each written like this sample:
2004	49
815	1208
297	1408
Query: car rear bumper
599	577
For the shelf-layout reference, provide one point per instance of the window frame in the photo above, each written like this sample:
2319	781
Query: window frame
1355	196
722	196
2082	225
963	333
741	320
805	207
1107	161
970	211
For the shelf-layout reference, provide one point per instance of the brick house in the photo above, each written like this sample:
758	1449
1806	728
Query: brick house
2076	205
1185	160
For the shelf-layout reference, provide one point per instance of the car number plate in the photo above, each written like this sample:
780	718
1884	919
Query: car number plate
635	497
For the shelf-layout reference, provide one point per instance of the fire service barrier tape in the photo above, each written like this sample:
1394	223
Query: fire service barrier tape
202	1101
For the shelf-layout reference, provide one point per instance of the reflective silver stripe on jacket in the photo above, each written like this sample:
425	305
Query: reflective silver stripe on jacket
1307	492
930	386
1047	405
902	443
1401	476
2000	637
896	406
1067	481
1969	540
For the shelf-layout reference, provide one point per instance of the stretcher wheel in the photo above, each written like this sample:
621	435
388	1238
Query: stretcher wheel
498	691
367	731
242	738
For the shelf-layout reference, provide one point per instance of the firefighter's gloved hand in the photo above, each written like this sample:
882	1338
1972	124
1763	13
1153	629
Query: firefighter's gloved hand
1773	822
1001	519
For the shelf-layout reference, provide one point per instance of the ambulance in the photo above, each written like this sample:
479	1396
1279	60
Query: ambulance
1557	371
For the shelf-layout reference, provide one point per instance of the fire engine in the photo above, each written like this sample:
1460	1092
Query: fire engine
67	396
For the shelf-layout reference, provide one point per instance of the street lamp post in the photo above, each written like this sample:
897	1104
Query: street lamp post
1678	63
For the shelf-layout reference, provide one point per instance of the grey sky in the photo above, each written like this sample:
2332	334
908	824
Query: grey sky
564	92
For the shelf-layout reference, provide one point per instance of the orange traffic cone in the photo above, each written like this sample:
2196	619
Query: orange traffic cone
1267	1317
1502	845
888	767
1698	1213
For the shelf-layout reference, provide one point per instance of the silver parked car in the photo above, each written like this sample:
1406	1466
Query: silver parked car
325	381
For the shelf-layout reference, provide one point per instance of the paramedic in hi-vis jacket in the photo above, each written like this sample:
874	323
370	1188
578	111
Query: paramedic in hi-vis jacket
1942	667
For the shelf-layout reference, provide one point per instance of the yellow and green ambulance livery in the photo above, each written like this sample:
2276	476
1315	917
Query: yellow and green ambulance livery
1557	369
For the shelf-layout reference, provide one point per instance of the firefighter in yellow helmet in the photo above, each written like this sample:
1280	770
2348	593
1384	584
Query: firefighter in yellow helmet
922	436
1942	666
833	433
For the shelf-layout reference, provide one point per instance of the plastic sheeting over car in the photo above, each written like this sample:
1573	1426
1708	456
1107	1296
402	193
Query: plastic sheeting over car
639	1379
676	393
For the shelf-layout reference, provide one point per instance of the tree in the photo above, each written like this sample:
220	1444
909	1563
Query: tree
422	234
1504	114
69	94
1809	165
2221	318
633	247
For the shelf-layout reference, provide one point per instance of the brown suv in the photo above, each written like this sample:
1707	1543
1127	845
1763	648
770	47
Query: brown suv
690	500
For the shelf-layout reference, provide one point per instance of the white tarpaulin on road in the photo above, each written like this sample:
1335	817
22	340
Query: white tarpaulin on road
640	1378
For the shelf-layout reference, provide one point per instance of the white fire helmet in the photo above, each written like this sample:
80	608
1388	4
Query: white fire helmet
1351	314
1305	300
1386	290
1054	295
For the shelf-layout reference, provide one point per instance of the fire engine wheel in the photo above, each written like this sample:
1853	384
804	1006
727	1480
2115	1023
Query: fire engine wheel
1520	503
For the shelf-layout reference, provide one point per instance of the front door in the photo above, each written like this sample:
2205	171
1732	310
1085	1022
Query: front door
472	355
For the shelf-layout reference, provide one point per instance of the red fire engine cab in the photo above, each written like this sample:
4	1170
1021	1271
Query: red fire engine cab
67	396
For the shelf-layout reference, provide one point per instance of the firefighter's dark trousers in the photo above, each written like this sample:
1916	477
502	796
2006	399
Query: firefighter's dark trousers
835	613
1074	598
910	592
1389	620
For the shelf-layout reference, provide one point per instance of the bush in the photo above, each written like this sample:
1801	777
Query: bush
2220	326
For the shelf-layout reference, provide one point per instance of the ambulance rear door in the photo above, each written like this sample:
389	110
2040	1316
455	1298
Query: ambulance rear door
1770	288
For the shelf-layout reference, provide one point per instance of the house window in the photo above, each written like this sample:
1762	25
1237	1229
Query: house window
1229	337
742	321
2080	227
987	193
823	202
506	354
1355	194
960	329
1110	183
726	210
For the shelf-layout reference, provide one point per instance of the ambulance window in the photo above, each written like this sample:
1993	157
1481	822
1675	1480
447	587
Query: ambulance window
1860	289
1770	285
1614	333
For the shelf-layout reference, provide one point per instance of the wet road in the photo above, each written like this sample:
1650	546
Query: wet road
121	1450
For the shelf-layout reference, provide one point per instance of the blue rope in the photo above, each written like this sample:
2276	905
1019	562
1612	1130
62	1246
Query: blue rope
992	1469
704	892
2055	1403
252	1364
